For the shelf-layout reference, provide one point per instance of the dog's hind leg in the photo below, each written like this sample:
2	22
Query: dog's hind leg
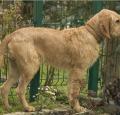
21	90
5	88
74	84
25	78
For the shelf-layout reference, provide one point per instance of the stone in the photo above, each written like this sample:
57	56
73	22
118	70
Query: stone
57	111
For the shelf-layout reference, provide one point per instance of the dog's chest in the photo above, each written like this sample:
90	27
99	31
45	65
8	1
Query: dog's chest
85	57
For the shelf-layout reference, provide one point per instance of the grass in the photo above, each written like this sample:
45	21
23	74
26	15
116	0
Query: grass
48	104
45	100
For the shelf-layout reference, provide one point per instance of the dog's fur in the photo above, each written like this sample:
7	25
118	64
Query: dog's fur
74	49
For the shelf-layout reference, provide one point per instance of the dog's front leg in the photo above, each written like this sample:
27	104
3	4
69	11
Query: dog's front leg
74	84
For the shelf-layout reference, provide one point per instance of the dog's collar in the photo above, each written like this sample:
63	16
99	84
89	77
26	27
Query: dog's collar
96	34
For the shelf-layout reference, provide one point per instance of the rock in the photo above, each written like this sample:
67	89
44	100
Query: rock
56	111
111	109
21	113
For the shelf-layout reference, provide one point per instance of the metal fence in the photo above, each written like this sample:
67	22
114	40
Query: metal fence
109	61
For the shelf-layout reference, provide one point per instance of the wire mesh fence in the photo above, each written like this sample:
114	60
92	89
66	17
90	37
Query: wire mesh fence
59	15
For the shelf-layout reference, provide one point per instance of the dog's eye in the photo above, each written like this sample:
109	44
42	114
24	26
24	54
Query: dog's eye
117	21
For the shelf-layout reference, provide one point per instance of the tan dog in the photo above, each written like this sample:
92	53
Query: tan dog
74	49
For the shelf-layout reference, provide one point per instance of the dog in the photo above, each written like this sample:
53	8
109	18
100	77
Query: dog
73	49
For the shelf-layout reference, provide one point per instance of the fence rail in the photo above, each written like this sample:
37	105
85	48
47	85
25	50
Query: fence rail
109	62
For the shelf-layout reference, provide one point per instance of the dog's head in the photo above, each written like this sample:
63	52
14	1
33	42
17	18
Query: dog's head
106	23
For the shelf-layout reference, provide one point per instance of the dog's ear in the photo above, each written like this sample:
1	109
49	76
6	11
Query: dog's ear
104	24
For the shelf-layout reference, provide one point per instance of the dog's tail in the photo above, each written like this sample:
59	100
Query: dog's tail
3	49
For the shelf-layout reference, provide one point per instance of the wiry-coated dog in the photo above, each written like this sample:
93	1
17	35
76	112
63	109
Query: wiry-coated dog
74	49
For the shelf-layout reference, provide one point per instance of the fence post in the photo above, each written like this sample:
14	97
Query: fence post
38	17
94	70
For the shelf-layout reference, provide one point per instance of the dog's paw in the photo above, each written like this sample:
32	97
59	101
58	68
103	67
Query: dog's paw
29	109
80	109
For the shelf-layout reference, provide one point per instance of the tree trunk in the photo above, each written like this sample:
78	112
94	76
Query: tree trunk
111	64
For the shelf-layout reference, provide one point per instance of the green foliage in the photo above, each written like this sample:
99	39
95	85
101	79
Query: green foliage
1	110
11	18
59	10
